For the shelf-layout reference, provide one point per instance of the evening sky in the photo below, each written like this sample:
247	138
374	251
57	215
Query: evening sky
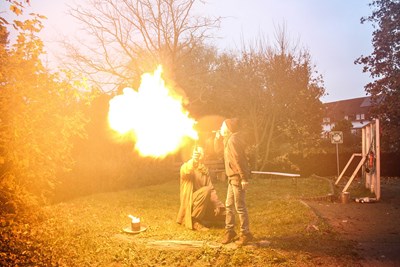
330	30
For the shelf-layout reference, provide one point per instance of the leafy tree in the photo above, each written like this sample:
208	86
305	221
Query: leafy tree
384	66
343	125
39	115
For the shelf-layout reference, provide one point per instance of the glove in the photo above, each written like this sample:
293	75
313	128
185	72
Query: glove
218	134
217	210
244	184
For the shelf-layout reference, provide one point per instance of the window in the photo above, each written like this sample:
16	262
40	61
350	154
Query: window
360	117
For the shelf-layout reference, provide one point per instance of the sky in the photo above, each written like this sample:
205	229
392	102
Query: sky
330	30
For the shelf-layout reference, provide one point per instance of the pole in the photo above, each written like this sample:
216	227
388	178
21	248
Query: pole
277	173
337	158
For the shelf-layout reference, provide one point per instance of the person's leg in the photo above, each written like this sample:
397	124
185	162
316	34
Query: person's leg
201	200
230	216
230	209
241	209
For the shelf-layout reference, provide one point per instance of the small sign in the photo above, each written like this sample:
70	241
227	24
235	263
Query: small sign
336	137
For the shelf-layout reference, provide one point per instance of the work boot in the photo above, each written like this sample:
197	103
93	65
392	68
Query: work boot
199	227
228	237
244	239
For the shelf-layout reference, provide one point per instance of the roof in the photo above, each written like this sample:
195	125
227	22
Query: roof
349	107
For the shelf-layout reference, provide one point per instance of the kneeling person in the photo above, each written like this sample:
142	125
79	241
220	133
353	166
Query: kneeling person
198	199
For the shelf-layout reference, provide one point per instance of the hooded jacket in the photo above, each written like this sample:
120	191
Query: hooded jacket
236	166
233	146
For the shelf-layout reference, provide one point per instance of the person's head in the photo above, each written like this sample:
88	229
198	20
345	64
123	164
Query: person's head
229	126
198	154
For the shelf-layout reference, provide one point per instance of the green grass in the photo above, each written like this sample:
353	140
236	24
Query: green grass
87	231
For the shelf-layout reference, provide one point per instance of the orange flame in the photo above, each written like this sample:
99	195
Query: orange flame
155	119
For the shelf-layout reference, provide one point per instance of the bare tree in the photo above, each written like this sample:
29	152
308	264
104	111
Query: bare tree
121	39
275	89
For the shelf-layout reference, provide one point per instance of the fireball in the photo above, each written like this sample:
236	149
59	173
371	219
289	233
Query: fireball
152	116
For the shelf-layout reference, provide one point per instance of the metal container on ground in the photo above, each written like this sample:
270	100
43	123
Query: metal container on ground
345	197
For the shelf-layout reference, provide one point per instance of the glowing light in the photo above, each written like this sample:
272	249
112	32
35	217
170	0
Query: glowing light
134	219
153	117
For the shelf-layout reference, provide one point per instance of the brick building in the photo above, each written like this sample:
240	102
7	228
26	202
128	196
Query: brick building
356	110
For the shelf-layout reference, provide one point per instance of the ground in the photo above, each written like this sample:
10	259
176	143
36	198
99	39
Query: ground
375	227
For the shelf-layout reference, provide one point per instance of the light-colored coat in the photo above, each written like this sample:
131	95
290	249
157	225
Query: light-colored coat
192	180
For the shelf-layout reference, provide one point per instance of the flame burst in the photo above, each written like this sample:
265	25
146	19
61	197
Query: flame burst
152	116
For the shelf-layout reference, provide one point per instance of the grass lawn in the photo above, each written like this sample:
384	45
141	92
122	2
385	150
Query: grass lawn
88	231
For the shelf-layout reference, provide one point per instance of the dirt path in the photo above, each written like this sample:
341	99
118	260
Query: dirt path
375	227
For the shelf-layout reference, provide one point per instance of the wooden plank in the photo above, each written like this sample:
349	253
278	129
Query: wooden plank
378	160
354	174
347	165
182	244
277	173
368	141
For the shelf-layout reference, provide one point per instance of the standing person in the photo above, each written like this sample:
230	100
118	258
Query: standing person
231	142
198	199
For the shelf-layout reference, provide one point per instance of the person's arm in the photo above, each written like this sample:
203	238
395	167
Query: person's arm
218	143
187	169
216	203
